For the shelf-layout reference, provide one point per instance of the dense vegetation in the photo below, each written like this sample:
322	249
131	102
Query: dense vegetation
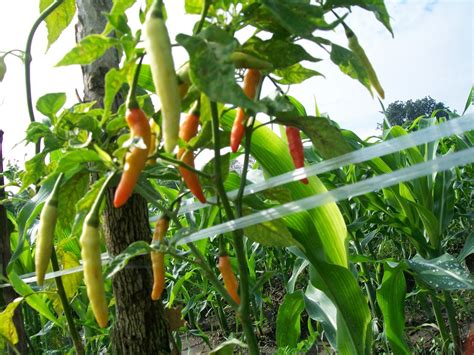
384	271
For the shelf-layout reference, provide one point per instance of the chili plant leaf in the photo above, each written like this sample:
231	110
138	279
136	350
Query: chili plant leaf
280	52
327	139
88	50
59	19
350	65
376	6
50	104
211	67
295	74
7	327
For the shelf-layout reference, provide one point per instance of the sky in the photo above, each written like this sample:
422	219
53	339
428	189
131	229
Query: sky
431	54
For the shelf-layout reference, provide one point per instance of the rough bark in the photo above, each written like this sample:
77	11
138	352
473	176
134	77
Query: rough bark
140	327
8	294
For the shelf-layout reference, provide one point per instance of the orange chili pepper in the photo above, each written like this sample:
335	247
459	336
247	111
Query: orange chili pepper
188	130
158	259
251	82
135	160
230	281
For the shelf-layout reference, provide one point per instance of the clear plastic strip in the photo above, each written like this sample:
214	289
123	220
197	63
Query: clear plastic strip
362	187
445	129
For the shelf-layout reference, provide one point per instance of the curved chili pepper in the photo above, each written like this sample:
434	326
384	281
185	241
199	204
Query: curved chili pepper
251	82
135	160
187	131
158	259
90	253
296	148
45	236
230	281
158	48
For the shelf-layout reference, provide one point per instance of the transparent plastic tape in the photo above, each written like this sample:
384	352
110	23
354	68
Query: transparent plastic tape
342	193
427	135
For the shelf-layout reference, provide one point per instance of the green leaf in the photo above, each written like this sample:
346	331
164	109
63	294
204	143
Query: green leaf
193	6
469	102
212	70
69	194
59	19
72	159
298	18
443	199
376	6
350	65
225	165
37	130
282	53
442	273
145	79
118	8
391	299
120	261
295	74
7	327
87	50
114	79
3	68
271	234
50	104
227	347
320	308
35	169
33	299
468	248
430	222
327	139
288	329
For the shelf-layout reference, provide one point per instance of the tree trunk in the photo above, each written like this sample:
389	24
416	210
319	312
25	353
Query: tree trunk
140	326
8	294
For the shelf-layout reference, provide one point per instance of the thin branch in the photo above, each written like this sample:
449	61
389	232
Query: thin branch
28	59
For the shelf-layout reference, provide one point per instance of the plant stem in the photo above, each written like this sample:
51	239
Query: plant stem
201	262
453	325
205	8
67	309
244	309
182	164
443	330
28	58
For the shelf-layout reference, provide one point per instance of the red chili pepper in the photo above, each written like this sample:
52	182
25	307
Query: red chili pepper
188	130
296	148
251	82
135	161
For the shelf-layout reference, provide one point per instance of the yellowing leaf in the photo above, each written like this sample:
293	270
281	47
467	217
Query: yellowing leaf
59	19
7	328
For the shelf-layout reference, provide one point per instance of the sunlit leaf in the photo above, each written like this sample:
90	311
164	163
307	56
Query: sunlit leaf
87	50
59	19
